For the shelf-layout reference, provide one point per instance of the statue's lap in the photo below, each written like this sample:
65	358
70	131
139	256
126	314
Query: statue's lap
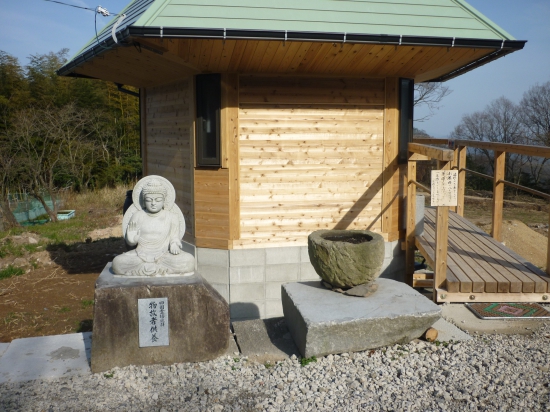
168	263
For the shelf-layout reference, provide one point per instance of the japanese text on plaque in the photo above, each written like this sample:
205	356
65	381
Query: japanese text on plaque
153	322
444	188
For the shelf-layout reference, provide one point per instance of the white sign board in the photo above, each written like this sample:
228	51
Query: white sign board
444	188
153	322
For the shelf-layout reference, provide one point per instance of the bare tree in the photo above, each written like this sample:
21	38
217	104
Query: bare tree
74	129
40	155
499	122
53	145
8	171
535	114
430	95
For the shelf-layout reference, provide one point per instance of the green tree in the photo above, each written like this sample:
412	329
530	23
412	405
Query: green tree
62	132
46	88
13	88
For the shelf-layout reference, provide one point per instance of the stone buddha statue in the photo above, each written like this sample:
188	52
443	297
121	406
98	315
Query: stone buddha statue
155	225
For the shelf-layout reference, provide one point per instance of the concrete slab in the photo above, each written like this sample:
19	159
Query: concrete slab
447	331
462	317
3	348
322	322
265	340
46	357
232	348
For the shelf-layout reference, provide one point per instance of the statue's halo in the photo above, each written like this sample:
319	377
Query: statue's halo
139	203
170	192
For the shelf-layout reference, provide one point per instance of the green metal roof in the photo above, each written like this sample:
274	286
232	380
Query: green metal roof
434	18
402	22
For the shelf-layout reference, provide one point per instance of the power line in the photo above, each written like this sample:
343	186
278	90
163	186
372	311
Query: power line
98	9
72	5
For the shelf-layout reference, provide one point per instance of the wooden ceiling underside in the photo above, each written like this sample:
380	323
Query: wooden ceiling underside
161	61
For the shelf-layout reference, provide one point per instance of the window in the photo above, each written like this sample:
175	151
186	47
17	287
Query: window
208	92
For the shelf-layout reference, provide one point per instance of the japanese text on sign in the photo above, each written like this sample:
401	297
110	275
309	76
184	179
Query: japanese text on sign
153	322
444	188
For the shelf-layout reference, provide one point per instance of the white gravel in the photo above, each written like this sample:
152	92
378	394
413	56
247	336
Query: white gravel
488	373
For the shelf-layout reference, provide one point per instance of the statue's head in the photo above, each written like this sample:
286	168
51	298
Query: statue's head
154	195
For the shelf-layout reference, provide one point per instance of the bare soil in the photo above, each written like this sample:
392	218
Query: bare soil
55	295
524	241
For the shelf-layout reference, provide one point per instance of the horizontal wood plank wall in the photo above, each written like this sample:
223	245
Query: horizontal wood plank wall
310	157
169	135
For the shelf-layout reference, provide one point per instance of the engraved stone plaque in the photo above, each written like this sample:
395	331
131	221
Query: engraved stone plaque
444	188
153	322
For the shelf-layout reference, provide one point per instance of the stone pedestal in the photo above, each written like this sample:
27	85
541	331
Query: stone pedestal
322	322
198	321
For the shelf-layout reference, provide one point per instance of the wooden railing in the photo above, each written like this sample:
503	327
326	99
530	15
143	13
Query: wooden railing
445	158
455	158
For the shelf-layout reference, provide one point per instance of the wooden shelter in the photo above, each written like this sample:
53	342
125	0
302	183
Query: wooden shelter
273	120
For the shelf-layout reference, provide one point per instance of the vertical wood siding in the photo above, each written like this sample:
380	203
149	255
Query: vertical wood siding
391	190
311	157
169	134
212	208
217	189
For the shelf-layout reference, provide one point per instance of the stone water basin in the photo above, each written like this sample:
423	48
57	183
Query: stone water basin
346	258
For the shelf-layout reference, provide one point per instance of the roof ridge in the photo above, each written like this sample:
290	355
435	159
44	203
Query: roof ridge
485	20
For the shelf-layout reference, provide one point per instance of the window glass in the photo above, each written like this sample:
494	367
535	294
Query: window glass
208	119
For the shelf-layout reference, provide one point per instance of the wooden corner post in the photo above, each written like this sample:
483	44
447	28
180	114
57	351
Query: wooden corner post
143	129
410	191
230	148
390	189
548	253
498	194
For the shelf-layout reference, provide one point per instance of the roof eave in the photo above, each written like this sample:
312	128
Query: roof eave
405	40
471	66
503	46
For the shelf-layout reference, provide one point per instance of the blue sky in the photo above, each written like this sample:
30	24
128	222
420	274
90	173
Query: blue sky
30	27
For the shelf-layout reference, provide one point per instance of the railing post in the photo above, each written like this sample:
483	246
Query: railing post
441	243
454	165
462	150
411	222
498	194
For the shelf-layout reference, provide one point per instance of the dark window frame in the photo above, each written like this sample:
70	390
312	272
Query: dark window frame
208	119
406	112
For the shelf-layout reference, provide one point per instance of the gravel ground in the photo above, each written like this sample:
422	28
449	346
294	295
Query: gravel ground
488	373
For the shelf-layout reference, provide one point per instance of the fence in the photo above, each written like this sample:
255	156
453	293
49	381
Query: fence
27	209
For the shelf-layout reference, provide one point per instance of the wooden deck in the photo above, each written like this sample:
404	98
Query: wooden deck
479	268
